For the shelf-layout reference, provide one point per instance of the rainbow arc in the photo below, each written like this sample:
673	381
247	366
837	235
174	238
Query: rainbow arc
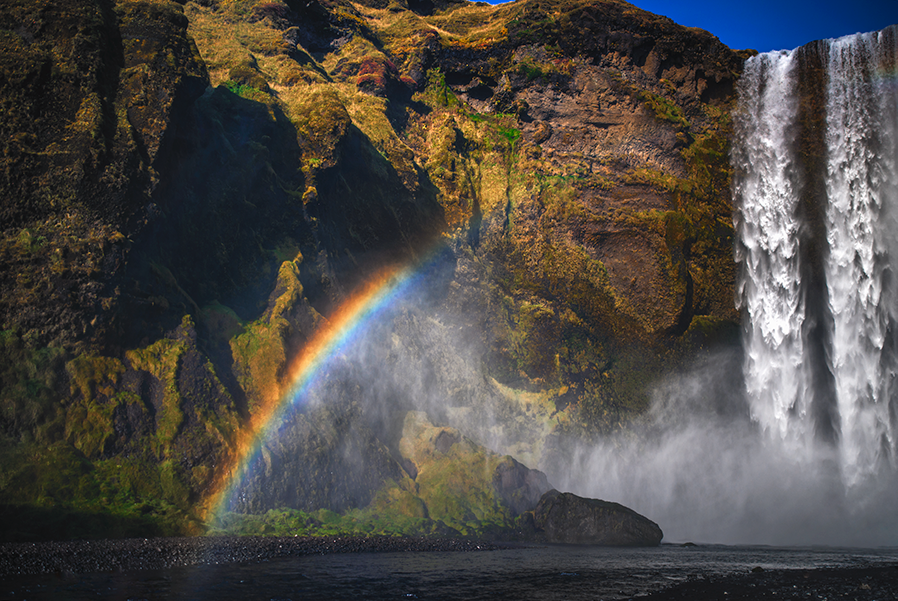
338	332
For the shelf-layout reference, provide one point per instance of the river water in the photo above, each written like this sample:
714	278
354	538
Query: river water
553	572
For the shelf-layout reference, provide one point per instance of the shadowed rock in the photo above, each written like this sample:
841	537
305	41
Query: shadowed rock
519	486
567	518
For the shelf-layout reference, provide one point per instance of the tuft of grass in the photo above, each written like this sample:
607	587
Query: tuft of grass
242	90
664	109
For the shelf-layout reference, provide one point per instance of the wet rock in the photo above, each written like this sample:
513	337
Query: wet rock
567	518
519	486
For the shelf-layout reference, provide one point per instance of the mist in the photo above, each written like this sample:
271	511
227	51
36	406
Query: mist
708	473
696	462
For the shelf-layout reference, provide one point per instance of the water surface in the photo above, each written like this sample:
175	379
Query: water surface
549	573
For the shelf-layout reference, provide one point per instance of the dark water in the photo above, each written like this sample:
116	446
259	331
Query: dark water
545	573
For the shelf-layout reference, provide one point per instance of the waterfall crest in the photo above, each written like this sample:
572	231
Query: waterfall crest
827	215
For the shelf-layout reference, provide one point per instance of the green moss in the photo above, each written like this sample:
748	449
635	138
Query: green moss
247	74
535	27
561	196
90	375
259	359
556	69
260	350
275	522
30	407
249	92
89	422
56	481
290	289
172	484
162	359
530	70
395	511
511	134
709	167
321	121
659	179
664	109
457	490
323	522
705	202
437	92
452	495
222	421
54	493
29	243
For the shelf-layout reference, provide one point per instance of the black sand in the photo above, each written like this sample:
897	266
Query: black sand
80	557
127	555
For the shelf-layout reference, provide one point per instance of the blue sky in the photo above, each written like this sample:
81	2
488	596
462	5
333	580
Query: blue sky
775	24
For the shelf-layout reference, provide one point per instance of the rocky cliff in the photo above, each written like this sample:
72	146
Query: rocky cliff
190	190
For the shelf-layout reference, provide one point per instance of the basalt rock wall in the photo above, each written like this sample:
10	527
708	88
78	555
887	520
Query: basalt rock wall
190	190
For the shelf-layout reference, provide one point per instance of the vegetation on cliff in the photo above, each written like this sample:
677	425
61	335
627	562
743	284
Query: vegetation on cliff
190	190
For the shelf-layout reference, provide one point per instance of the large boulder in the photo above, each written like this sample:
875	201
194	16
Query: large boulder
567	518
519	487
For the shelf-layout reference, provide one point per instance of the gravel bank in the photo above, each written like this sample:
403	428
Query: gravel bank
80	557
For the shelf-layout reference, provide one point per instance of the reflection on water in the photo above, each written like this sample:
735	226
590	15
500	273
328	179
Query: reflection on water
545	573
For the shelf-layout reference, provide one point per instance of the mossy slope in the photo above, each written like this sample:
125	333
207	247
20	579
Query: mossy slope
448	485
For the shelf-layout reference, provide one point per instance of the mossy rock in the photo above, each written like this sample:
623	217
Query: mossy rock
30	390
464	485
322	122
247	75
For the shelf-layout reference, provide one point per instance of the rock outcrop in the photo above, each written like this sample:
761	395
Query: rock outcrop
567	518
440	480
450	470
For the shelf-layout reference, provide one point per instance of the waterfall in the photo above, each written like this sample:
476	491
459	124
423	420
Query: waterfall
801	449
816	190
768	224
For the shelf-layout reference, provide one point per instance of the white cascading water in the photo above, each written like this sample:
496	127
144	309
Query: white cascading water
768	225
860	187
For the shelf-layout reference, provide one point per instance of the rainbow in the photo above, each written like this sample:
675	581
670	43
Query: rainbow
339	331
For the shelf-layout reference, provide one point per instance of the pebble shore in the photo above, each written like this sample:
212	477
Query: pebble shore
81	557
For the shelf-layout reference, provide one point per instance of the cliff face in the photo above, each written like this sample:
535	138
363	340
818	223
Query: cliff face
190	190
